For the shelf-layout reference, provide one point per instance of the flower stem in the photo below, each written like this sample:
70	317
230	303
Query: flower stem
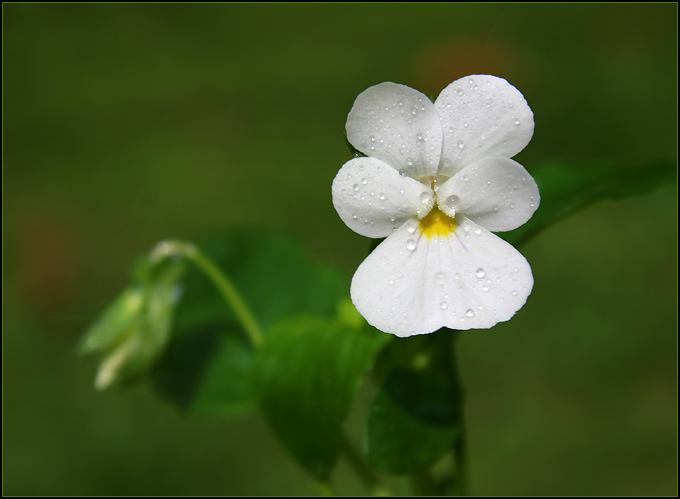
218	278
424	484
365	474
460	447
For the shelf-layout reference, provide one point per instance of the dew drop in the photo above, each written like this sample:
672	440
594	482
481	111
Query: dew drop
513	292
478	231
381	196
410	245
444	305
469	312
485	288
364	181
356	187
425	197
480	272
411	229
440	278
372	138
452	202
414	110
399	274
516	122
461	144
390	282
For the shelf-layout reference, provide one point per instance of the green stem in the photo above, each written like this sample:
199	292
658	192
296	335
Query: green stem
423	483
367	476
221	282
460	447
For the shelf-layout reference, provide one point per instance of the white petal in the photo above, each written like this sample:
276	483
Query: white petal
469	279
496	193
482	115
374	200
398	125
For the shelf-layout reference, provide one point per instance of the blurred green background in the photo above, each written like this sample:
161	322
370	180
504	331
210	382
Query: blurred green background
127	124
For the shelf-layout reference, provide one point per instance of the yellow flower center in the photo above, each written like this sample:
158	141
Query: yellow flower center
437	223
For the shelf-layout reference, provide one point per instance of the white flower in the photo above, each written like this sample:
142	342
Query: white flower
436	181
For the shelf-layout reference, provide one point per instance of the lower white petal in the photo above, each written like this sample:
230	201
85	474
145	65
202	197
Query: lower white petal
414	284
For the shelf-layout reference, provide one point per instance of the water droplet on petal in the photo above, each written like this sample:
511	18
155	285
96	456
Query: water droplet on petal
513	292
364	181
381	196
452	202
461	144
440	278
356	187
480	272
411	228
469	312
444	305
410	245
425	197
485	288
516	122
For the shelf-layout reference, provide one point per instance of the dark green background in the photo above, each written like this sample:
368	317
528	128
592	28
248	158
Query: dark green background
126	124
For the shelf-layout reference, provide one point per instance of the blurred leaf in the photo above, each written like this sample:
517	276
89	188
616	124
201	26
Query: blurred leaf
309	369
414	419
208	365
566	188
208	371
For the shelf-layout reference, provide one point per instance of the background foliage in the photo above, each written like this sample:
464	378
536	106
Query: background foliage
127	124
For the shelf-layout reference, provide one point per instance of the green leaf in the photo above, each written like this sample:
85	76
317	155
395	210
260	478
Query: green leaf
309	369
566	188
208	365
415	417
208	371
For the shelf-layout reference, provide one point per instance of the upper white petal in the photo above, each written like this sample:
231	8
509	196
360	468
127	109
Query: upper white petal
482	115
398	125
374	200
496	193
469	279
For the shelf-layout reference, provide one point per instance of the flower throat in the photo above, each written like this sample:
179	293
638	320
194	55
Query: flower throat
436	223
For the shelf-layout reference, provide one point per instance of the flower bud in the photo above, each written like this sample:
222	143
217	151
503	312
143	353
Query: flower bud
133	331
